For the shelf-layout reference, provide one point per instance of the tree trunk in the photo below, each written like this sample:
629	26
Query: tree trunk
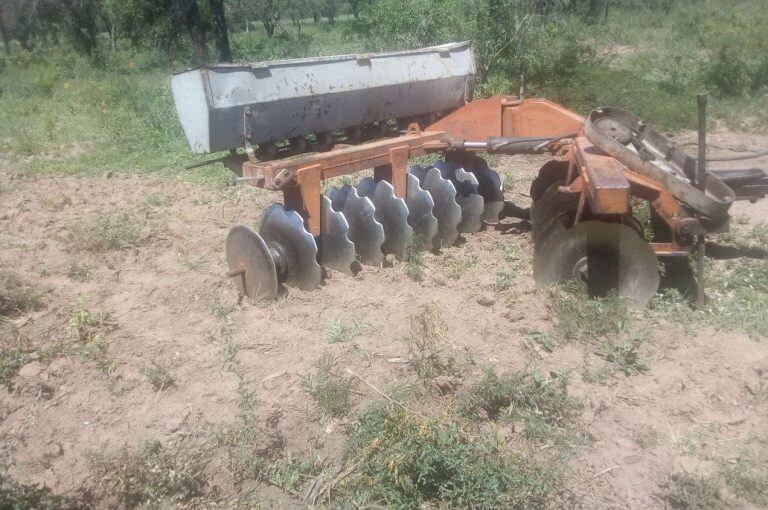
316	17
220	34
189	14
4	34
269	27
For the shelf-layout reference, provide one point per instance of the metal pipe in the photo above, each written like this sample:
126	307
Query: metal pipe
701	184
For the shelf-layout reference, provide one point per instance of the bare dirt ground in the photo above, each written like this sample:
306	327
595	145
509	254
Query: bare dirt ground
170	305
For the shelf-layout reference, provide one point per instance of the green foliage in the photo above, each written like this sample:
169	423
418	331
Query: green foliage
329	388
17	496
541	403
624	356
749	479
17	297
691	492
153	475
340	332
88	330
424	341
577	317
105	232
405	461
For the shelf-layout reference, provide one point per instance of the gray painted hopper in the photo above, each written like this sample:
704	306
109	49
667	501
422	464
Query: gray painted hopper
290	98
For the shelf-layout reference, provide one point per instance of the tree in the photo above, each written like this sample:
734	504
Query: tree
220	35
331	7
4	33
187	13
82	20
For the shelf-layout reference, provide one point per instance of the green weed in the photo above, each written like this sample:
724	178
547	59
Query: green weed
424	342
158	376
544	340
16	297
14	495
154	475
624	356
692	492
748	479
577	317
88	330
330	389
105	232
401	460
77	272
340	332
457	267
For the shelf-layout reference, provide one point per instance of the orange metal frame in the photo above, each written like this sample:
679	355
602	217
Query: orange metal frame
603	182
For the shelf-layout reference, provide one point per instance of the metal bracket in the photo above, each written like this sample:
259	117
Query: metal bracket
247	138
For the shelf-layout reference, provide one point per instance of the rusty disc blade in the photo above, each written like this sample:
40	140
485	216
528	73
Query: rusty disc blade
251	264
365	232
294	247
604	257
337	252
392	213
420	217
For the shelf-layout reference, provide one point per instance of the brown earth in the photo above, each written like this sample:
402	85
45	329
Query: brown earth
172	305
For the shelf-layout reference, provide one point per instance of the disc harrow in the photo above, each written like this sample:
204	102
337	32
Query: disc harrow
583	199
360	225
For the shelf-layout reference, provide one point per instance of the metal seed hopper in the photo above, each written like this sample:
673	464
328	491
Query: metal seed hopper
301	122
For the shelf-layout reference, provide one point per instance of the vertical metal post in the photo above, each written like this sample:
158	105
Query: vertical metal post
701	183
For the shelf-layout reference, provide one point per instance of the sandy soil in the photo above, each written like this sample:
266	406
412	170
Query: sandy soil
170	300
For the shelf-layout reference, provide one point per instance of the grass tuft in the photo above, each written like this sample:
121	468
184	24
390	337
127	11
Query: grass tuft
105	232
16	297
329	388
424	342
340	332
691	492
158	376
89	332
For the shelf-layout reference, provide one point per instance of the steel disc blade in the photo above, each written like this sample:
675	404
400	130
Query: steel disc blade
552	171
551	213
336	250
296	249
249	256
447	210
470	201
365	232
604	257
420	217
392	213
489	184
447	169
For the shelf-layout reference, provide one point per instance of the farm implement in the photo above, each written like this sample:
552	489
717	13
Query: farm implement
291	125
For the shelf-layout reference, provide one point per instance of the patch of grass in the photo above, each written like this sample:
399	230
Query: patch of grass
737	296
413	266
505	277
541	403
154	475
543	340
89	332
577	317
748	479
158	376
624	356
15	351
218	308
229	346
291	474
646	437
457	266
77	272
424	342
340	332
692	492
402	460
106	232
16	297
14	495
330	390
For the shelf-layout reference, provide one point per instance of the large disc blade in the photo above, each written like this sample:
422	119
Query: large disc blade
365	232
420	217
447	211
296	249
251	263
489	184
392	213
551	212
470	201
336	250
603	256
552	171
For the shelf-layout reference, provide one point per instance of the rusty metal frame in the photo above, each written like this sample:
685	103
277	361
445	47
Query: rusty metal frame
300	178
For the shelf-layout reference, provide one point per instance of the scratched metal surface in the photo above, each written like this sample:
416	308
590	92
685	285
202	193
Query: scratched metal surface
298	97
